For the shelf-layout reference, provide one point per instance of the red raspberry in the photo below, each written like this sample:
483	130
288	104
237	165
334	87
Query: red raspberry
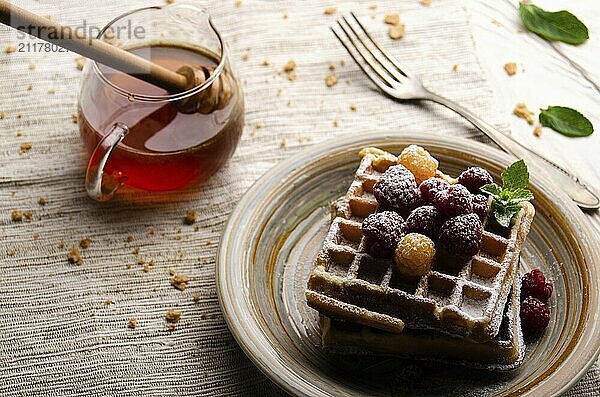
480	206
454	201
462	235
383	231
397	188
474	178
424	220
535	315
534	284
430	187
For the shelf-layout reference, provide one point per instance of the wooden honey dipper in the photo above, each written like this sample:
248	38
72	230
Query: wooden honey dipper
185	78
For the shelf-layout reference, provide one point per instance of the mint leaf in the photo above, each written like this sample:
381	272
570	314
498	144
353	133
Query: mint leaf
504	213
566	121
515	176
507	198
492	189
554	26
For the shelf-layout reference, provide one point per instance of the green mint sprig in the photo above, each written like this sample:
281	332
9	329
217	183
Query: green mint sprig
506	198
554	26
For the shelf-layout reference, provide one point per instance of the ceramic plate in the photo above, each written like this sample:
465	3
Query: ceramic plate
273	234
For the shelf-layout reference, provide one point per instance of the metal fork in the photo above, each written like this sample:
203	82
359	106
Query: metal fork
397	81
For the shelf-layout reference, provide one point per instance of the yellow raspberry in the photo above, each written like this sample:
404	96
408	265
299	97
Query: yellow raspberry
419	162
414	254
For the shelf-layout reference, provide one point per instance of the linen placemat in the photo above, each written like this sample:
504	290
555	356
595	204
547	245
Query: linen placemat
63	327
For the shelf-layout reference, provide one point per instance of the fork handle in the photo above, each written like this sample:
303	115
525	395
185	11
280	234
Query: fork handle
581	194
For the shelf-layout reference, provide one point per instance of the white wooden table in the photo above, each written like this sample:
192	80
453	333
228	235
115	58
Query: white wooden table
548	74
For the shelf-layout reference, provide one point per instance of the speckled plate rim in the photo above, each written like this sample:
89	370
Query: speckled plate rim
256	346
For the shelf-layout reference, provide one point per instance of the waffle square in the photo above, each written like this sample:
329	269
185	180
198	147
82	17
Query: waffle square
465	299
504	352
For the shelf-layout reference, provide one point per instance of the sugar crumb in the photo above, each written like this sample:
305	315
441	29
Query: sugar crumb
397	31
25	147
329	11
537	131
190	217
85	243
392	19
132	323
331	80
522	111
180	281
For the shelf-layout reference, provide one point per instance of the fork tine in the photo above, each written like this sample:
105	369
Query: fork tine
381	73
402	68
372	76
391	69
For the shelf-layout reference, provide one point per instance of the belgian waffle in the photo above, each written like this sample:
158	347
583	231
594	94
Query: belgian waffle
504	352
463	299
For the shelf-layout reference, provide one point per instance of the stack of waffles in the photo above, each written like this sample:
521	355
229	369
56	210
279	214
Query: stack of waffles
468	312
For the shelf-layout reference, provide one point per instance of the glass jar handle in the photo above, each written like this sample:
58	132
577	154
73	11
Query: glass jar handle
99	186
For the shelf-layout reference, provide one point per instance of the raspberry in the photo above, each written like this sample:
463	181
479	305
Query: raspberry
424	220
462	235
430	187
474	178
480	206
414	255
535	315
383	230
419	162
534	284
456	200
397	188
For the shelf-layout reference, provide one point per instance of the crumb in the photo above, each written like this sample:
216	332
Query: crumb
11	252
283	143
51	91
19	115
331	80
129	238
10	49
510	68
108	302
353	107
136	250
74	118
336	123
196	298
372	6
151	232
331	67
2	115
61	245
169	1
85	243
80	62
19	133
265	62
396	32
290	66
497	23
285	15
238	3
245	56
148	266
42	200
455	67
425	3
25	147
31	66
140	262
289	103
190	218
29	87
342	62
35	236
258	125
170	272
19	216
392	19
523	112
172	318
132	323
291	76
128	266
74	256
329	11
180	281
537	131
